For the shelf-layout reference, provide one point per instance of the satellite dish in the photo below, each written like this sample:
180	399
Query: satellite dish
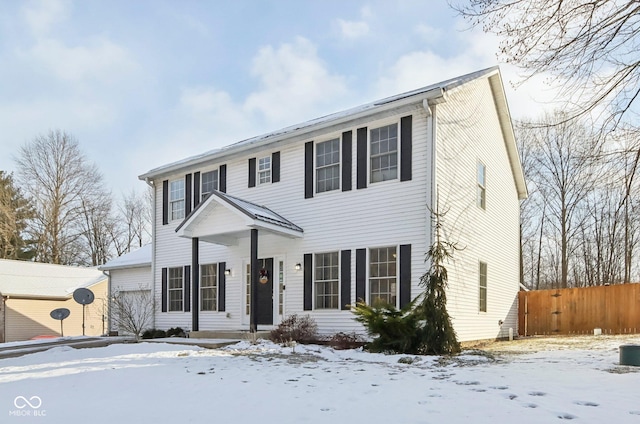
83	296
60	313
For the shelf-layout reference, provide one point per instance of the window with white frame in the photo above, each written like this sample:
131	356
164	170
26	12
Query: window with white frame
383	151
175	289
208	287
280	287
328	165
176	199
481	188
326	280
247	297
264	170
483	287
383	276
209	182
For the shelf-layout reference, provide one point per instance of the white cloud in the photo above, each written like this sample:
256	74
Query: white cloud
352	30
41	15
100	59
295	83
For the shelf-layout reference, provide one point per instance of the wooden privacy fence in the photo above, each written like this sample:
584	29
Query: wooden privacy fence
613	309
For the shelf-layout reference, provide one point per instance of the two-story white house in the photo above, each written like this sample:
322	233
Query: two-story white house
311	218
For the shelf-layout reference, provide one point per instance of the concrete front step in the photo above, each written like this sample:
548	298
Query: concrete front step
238	335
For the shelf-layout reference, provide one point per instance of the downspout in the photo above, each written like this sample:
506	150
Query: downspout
151	184
109	297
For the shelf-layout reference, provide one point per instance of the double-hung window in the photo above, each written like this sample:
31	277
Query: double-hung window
175	289
328	165
483	287
208	287
176	199
209	182
481	195
264	170
383	274
383	152
326	280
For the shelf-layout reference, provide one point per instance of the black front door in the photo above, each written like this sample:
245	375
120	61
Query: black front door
265	291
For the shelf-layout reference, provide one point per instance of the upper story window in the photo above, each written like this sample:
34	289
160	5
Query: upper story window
264	170
481	194
326	280
208	287
383	153
328	165
383	274
175	289
209	182
176	199
483	287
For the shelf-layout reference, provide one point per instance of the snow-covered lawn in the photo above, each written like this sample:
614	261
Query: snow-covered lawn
539	381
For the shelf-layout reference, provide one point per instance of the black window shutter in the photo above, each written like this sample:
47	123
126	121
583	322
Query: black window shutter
346	160
165	202
196	189
195	281
345	279
275	167
405	274
361	160
164	290
406	128
308	169
222	286
252	172
187	194
361	275
186	298
308	282
222	178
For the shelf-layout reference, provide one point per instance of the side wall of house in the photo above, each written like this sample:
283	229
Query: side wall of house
388	213
28	318
130	281
468	133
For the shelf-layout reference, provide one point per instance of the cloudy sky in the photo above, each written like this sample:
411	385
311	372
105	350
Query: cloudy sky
146	82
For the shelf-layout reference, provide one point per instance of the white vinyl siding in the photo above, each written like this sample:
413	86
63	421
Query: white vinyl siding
208	287
174	288
383	152
209	182
176	199
326	280
383	282
328	165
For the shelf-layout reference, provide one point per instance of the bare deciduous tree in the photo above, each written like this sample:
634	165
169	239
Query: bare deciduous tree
132	311
591	47
56	175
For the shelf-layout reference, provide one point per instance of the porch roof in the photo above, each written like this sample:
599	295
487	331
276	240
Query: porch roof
221	219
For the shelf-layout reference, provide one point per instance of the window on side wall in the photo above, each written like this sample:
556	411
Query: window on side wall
176	199
481	189
264	170
383	151
209	182
383	276
483	287
208	287
328	165
175	289
326	280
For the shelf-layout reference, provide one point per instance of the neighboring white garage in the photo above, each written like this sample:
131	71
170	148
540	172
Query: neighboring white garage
130	292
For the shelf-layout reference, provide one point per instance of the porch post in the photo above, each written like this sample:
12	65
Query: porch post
253	317
195	284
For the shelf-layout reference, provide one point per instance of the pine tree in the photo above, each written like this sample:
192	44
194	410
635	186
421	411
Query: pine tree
15	213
